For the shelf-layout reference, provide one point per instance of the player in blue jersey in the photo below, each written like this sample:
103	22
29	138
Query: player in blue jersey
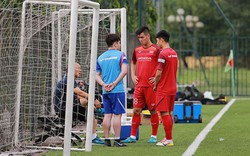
111	69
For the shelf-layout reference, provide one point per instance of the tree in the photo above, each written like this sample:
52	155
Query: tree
236	11
149	12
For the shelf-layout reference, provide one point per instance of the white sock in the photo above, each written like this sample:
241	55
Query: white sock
153	136
116	138
94	135
133	137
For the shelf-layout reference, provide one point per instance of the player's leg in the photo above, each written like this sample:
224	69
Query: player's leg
118	109
138	104
150	100
82	117
107	119
165	106
95	138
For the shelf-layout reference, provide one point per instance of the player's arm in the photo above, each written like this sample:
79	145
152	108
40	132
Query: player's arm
133	69
160	67
98	75
157	78
124	71
99	79
152	79
83	95
80	93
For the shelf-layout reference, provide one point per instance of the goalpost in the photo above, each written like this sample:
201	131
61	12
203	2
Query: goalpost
36	25
110	21
47	48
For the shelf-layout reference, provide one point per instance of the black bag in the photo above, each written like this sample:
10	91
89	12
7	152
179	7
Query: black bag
190	93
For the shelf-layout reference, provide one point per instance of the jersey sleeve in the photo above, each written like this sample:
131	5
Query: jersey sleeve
98	67
161	62
123	59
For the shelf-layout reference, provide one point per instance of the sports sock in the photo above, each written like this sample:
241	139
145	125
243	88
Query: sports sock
154	123
94	135
136	120
167	124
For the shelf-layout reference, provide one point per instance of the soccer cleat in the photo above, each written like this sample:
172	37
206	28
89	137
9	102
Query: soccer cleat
152	140
165	142
97	140
107	142
129	140
119	144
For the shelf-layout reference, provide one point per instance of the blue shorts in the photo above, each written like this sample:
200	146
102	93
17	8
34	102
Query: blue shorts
114	103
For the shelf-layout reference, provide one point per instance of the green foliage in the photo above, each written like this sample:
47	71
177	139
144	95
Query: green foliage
149	13
236	11
11	4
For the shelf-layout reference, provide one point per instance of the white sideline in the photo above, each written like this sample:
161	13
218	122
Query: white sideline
195	144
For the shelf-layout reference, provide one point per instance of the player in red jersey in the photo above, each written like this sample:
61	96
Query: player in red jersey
165	85
143	68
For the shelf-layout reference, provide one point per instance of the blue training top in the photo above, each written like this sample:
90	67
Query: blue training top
60	94
109	65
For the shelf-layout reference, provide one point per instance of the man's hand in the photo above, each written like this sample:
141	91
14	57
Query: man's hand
152	80
155	88
109	87
135	79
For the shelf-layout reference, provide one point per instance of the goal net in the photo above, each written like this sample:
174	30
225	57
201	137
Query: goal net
34	50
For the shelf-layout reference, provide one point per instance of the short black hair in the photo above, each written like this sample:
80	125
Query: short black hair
143	29
164	35
111	39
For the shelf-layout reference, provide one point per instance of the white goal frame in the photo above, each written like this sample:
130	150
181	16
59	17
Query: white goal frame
72	50
123	24
95	11
112	13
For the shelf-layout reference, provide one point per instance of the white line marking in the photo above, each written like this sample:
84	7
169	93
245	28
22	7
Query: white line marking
195	144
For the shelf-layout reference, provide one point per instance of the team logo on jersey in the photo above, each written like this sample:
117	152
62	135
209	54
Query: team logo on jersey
161	60
145	58
139	51
172	56
151	52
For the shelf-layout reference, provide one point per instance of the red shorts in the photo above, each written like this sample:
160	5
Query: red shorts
165	103
143	96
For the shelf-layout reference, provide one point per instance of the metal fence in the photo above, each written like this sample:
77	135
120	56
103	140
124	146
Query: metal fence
202	61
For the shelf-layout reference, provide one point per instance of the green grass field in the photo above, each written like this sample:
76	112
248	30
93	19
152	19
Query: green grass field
230	136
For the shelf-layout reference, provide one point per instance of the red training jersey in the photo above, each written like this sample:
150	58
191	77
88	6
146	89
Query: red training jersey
146	64
168	64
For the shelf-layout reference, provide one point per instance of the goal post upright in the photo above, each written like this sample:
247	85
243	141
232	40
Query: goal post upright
72	51
70	80
92	80
53	74
19	77
124	49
